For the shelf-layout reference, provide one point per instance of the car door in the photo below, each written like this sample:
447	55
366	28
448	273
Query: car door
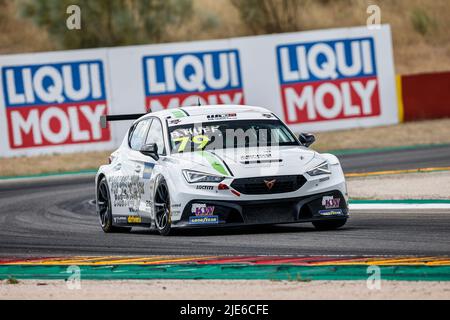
155	135
133	171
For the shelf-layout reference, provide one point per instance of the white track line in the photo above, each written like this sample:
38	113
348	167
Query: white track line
399	206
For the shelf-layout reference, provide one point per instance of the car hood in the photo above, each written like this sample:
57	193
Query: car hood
250	162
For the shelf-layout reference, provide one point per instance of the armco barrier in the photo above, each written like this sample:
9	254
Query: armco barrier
425	96
315	81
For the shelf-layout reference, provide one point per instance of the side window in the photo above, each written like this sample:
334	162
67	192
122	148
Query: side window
138	134
155	135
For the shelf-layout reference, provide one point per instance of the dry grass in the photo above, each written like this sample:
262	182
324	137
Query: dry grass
406	134
52	163
414	51
18	35
212	19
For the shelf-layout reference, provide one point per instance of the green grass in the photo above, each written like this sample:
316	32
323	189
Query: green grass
422	22
12	280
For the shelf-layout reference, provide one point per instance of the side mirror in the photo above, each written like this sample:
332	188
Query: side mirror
150	150
306	139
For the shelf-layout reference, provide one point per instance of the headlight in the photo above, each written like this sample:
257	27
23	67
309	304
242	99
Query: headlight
195	176
320	169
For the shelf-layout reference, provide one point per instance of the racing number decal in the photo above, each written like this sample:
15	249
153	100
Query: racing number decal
200	140
183	144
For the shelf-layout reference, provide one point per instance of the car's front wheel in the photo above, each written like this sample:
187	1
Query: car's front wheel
329	224
104	209
162	208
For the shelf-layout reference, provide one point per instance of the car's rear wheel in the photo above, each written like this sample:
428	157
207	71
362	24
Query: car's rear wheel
162	208
104	209
329	224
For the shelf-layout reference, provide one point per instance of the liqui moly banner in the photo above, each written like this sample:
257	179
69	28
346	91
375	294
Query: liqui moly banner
337	79
314	81
186	79
328	80
54	104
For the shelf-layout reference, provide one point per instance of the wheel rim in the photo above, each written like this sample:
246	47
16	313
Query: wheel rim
103	203
162	206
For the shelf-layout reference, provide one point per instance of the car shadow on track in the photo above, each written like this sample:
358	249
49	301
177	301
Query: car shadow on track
246	230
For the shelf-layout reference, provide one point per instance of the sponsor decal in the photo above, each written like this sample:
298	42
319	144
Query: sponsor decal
191	132
126	191
185	79
120	219
329	202
55	104
256	156
223	116
205	187
175	121
179	113
134	219
331	212
148	169
328	80
201	209
204	220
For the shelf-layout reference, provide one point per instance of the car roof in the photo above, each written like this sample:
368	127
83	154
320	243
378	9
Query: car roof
205	110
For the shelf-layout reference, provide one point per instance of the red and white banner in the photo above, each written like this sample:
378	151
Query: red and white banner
314	81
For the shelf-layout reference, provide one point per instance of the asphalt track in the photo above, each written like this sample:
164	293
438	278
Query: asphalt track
57	218
397	159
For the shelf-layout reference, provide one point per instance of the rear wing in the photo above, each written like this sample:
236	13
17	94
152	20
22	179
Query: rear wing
119	117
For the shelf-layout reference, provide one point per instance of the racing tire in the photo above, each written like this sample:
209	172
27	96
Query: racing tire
162	207
329	225
103	205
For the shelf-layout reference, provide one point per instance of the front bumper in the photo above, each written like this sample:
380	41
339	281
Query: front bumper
275	211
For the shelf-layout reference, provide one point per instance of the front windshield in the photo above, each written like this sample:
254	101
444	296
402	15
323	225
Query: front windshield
229	134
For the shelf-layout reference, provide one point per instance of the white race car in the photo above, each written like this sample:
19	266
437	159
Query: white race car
208	166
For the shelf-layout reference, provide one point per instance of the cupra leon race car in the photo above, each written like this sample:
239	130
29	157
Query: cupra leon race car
210	166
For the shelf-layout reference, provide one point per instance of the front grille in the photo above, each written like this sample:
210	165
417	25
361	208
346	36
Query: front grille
270	213
262	185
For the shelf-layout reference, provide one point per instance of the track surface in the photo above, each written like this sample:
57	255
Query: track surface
437	156
53	219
